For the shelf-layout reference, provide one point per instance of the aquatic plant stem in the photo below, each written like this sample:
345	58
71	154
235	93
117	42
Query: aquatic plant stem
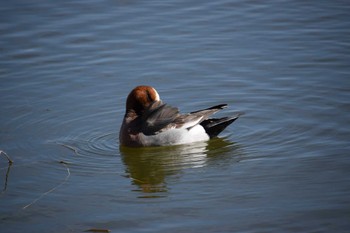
8	158
53	189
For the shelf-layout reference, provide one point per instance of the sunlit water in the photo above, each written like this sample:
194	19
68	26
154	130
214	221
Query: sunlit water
66	68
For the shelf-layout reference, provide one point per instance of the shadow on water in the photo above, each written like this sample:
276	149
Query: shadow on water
150	167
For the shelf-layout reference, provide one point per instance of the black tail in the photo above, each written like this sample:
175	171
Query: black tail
215	126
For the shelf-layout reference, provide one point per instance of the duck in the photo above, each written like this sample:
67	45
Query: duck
150	122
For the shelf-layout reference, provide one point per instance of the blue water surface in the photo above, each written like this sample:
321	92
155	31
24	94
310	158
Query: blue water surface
66	68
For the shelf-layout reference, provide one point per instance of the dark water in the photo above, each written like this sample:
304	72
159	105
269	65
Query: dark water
67	66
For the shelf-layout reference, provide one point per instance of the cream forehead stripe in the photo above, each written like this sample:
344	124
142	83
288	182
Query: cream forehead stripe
157	95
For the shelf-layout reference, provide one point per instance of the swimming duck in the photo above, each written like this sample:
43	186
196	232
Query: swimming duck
150	122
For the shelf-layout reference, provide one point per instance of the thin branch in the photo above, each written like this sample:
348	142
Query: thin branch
98	230
53	189
69	147
8	158
6	177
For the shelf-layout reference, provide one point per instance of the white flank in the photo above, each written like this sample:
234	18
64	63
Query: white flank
190	124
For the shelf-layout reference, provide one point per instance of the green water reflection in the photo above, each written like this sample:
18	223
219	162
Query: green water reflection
149	168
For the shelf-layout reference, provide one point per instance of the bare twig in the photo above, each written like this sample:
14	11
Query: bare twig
69	147
8	158
53	189
6	177
98	230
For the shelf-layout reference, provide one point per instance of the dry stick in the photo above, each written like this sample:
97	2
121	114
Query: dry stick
69	147
8	169
6	177
98	230
53	189
8	158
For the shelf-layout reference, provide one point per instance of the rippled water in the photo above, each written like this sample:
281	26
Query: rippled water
67	66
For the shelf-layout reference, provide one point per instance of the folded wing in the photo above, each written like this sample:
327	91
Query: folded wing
160	117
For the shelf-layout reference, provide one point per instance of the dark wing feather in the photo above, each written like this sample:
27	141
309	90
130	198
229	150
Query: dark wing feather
161	116
157	117
191	119
205	113
212	109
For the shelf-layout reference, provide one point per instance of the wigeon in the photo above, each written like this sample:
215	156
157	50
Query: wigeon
150	122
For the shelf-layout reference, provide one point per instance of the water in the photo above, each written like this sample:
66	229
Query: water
67	66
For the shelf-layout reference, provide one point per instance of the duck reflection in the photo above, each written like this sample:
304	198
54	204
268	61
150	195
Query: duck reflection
149	167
